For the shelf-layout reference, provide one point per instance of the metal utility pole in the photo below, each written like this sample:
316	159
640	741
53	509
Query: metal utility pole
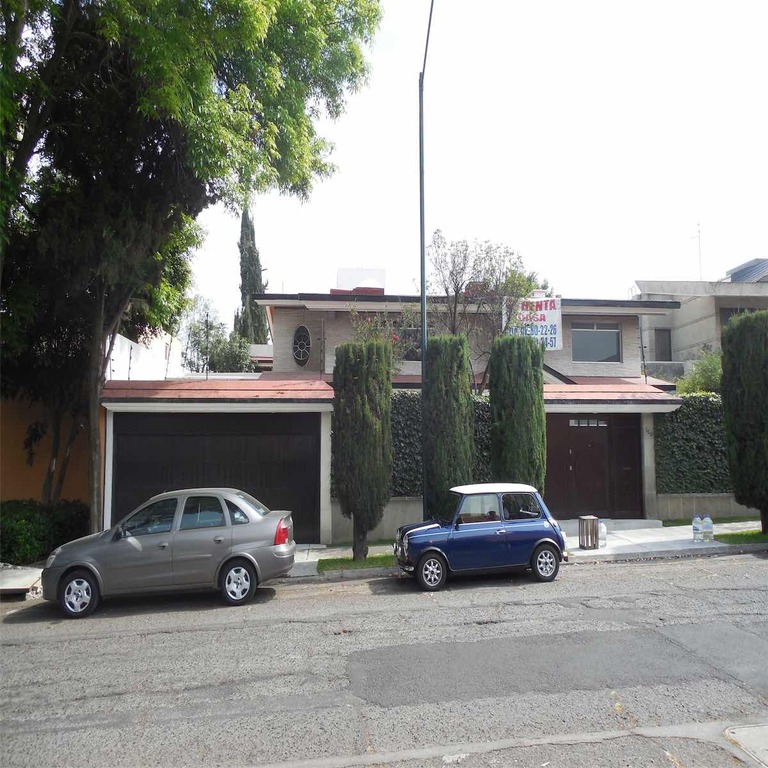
423	264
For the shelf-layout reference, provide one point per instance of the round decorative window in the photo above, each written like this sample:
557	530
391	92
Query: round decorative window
301	345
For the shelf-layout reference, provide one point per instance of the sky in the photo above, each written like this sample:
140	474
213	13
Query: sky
605	141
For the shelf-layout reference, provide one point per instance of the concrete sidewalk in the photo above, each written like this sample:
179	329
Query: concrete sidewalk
627	540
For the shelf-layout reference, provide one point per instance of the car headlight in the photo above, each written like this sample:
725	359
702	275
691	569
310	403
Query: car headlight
52	557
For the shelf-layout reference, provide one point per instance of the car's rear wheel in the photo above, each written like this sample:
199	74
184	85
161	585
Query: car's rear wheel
238	582
545	563
431	572
78	594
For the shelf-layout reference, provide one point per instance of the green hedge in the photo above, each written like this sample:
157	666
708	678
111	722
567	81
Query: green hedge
29	530
690	445
406	441
690	448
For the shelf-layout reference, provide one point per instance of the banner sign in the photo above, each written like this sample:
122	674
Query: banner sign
540	317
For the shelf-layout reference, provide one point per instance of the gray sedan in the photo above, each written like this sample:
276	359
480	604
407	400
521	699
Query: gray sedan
191	539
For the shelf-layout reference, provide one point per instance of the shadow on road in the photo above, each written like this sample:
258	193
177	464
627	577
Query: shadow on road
402	584
37	611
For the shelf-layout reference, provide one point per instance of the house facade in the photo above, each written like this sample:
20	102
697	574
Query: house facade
270	433
599	405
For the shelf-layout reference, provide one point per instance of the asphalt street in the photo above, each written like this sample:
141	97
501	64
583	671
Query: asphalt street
613	664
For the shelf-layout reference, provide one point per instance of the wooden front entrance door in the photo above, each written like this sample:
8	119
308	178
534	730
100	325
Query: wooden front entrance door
589	457
594	465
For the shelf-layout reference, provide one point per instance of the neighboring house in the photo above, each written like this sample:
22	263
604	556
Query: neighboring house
675	339
159	358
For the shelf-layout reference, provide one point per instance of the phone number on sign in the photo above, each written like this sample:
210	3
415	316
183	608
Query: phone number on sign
538	330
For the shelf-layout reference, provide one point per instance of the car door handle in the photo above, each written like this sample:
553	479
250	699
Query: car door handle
218	539
163	545
500	530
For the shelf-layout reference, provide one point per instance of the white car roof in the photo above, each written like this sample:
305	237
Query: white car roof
466	490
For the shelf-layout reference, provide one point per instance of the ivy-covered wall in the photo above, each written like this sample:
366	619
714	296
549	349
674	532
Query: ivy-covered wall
406	441
690	445
690	448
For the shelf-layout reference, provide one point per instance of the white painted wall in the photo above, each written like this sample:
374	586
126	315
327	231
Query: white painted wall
159	359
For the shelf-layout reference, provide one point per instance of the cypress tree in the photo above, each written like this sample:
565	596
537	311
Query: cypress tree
744	392
448	420
362	435
251	319
518	420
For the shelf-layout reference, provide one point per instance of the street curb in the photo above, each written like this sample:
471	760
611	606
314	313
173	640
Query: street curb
380	572
669	554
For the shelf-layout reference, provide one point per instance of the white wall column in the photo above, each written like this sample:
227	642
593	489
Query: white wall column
648	449
326	513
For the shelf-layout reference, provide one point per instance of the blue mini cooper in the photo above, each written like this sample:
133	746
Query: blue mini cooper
494	526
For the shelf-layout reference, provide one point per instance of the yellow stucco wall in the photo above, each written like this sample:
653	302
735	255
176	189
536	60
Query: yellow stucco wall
18	480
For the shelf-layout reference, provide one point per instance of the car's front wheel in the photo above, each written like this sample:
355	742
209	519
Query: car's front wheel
238	582
78	594
431	572
545	563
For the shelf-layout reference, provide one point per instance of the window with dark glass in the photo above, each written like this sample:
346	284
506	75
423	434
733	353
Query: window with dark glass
727	313
482	508
663	341
236	515
154	518
593	342
520	506
202	512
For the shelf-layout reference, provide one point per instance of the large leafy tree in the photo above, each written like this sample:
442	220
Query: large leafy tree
480	285
138	115
362	435
251	319
518	420
47	313
745	408
448	420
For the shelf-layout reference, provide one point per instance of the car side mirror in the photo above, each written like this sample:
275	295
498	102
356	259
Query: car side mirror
119	533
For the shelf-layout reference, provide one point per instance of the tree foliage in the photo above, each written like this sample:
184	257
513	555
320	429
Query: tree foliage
208	346
122	120
362	435
705	375
480	285
745	408
398	328
251	318
518	420
448	421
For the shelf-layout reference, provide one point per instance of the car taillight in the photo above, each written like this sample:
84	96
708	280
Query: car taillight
281	534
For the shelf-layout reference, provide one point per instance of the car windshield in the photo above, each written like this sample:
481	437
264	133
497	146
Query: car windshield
253	503
448	513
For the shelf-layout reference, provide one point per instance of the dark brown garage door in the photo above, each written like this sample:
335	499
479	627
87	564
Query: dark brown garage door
275	457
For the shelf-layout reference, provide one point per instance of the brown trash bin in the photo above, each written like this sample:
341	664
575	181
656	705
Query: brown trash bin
588	532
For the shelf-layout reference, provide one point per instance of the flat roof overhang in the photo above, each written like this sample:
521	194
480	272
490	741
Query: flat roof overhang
321	302
604	397
218	396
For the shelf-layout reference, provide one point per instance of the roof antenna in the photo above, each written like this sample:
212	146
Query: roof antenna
698	237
